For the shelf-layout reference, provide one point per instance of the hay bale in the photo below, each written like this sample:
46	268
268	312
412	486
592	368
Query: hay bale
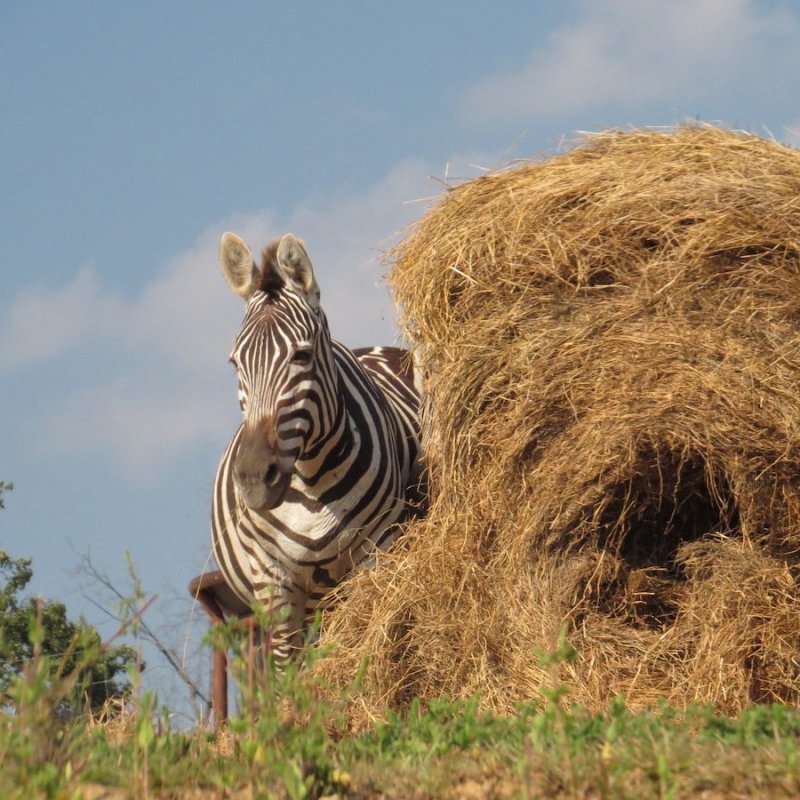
611	348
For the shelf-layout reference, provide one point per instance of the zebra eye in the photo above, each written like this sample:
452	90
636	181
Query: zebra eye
302	357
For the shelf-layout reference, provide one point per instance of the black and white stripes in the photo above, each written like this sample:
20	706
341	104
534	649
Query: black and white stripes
325	464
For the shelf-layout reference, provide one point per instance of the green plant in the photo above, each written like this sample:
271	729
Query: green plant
31	626
40	744
284	730
4	487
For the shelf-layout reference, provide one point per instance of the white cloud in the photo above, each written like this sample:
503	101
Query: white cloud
166	385
346	242
141	423
188	315
627	53
43	324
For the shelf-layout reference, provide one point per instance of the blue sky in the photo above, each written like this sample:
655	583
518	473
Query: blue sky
132	135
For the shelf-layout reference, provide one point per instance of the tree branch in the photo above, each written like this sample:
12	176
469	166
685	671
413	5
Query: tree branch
147	632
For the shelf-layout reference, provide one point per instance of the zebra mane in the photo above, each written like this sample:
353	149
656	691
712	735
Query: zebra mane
270	279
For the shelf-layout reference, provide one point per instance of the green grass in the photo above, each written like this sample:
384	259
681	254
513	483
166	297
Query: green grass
290	741
291	744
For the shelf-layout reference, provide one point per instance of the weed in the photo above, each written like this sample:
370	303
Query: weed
288	739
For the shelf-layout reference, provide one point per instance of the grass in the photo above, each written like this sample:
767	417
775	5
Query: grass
447	750
290	741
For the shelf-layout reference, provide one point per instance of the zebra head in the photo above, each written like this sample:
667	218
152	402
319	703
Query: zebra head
284	362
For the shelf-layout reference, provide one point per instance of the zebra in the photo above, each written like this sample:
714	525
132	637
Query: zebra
326	463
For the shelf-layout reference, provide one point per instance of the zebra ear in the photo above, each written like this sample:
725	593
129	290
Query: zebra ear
295	264
238	267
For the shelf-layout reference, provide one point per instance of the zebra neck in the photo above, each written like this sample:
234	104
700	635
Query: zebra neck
330	451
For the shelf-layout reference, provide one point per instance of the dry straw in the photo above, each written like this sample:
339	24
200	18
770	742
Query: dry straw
611	349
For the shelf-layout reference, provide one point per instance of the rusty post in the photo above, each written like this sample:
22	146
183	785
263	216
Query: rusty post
205	588
219	685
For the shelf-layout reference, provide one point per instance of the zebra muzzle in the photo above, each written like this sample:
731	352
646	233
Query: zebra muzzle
265	491
260	476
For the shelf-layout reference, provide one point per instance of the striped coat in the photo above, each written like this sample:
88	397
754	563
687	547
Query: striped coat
326	462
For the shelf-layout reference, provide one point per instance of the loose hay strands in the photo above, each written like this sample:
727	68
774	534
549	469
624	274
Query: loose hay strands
610	343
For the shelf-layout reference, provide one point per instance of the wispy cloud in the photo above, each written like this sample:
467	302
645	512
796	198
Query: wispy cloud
347	239
43	323
630	54
142	424
166	386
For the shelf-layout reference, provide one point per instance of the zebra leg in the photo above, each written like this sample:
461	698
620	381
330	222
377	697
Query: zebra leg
281	618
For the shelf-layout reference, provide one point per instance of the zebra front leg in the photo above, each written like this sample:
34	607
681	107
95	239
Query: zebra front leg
275	636
280	615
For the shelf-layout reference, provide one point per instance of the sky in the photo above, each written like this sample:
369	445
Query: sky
133	135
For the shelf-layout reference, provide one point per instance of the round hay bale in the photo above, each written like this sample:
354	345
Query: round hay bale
611	350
